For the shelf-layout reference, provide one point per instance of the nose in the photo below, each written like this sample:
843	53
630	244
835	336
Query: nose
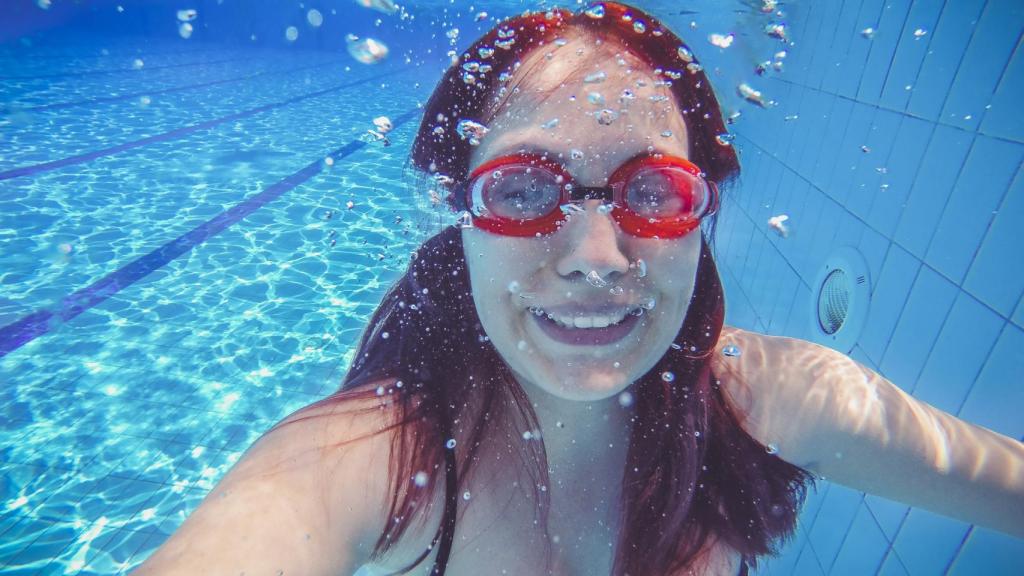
592	243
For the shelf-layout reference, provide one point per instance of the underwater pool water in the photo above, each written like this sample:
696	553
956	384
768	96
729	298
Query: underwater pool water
195	227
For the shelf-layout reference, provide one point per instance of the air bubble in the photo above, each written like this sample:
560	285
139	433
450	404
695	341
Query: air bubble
616	291
315	18
626	399
450	444
420	479
596	11
595	78
771	449
595	98
466	495
721	40
753	95
639	27
472	131
641	268
776	30
606	116
595	280
667	376
465	220
731	351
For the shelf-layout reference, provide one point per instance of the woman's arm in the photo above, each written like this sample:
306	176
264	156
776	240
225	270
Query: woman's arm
296	503
828	414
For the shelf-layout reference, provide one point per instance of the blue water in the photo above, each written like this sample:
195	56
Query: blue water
180	267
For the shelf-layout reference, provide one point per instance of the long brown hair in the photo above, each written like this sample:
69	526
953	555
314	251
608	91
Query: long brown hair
693	475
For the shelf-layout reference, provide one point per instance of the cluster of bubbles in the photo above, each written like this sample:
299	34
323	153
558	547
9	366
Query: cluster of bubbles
472	131
185	18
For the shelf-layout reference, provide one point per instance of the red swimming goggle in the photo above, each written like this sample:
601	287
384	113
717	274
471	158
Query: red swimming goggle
652	196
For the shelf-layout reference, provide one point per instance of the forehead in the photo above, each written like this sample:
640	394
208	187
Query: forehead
586	100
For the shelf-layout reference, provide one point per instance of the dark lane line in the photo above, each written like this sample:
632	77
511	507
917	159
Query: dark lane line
177	133
119	70
36	324
64	105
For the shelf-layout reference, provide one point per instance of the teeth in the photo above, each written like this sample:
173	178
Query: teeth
591	321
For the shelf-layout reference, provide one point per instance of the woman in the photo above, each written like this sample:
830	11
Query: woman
550	389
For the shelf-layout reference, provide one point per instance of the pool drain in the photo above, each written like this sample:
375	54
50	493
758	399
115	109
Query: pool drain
841	301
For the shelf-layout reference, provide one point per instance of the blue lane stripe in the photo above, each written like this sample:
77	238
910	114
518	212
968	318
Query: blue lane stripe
174	134
64	105
119	70
21	332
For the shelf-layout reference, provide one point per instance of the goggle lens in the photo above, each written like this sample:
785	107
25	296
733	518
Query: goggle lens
665	193
516	192
523	196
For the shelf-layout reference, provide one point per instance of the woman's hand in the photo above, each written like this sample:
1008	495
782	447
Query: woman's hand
828	414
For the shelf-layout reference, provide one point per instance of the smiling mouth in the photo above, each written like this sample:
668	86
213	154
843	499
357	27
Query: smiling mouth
593	329
586	320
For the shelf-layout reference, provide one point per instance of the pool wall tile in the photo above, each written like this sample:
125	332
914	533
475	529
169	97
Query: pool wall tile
976	196
910	52
892	566
888	297
833	522
943	161
932	202
995	399
960	350
989	552
992	43
999	255
890	28
864	548
920	321
1002	119
927	543
945	53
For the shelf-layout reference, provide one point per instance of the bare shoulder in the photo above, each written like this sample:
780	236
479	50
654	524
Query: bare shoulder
305	498
775	385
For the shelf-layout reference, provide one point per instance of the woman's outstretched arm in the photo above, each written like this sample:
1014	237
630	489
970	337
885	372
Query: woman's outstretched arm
295	503
826	413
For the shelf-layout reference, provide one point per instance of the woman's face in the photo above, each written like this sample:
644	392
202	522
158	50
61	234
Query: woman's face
518	281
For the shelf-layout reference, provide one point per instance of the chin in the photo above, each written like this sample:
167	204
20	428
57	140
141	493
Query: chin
589	384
